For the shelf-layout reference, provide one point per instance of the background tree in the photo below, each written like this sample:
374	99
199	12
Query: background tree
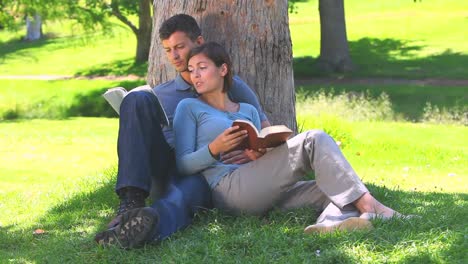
256	34
334	50
91	14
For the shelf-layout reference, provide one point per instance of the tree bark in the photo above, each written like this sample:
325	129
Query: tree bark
334	50
256	35
144	31
33	27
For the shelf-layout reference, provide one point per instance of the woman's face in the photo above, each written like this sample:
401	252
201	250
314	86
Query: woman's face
205	75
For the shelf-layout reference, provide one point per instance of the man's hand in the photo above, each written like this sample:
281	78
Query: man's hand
253	154
235	157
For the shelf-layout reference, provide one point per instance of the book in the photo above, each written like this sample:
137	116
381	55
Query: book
268	137
114	96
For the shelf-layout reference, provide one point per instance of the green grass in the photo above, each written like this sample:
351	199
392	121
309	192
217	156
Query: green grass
54	180
406	102
56	99
59	175
387	39
65	55
390	39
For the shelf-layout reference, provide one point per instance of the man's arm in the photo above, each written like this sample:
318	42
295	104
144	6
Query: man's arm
241	92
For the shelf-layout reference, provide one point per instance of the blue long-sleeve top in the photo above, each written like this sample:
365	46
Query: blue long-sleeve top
197	124
172	92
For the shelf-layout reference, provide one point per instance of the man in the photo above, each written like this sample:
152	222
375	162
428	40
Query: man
145	150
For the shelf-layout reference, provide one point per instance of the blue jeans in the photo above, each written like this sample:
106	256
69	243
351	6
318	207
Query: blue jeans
145	158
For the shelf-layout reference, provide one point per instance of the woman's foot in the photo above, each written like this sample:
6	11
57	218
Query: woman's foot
368	204
373	216
349	224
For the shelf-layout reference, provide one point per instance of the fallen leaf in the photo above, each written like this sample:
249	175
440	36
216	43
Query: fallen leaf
39	231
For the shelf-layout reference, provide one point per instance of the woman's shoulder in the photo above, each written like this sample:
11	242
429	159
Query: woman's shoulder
187	102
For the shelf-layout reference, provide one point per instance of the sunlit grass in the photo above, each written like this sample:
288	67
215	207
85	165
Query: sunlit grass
60	176
44	162
437	25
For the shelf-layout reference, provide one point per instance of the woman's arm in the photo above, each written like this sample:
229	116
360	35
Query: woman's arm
188	160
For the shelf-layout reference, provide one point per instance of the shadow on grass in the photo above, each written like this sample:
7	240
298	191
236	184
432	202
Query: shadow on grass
28	49
393	58
92	104
71	225
407	101
116	68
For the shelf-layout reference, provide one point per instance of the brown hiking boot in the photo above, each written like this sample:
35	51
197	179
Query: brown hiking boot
135	229
130	198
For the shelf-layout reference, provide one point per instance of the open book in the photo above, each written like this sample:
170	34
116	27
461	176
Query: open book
268	137
114	97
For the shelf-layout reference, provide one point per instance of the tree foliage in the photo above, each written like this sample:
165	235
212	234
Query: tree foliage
91	14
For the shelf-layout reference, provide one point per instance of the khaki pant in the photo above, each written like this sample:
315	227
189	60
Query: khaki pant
274	180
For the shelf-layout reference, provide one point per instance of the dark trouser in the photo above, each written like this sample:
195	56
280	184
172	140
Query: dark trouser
145	158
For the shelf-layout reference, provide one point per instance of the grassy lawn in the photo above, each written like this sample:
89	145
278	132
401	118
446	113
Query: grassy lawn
390	38
408	102
58	175
55	179
56	99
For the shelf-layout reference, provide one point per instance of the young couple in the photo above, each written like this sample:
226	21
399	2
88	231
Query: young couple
208	171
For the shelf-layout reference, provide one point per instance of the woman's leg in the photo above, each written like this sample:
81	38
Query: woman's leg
269	181
264	183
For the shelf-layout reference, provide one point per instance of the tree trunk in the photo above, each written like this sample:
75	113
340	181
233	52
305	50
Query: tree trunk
33	27
334	50
144	31
256	34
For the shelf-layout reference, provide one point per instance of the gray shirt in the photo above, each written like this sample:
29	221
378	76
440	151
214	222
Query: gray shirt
172	92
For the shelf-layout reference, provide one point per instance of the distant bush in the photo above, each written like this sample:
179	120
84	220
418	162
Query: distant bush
351	106
442	115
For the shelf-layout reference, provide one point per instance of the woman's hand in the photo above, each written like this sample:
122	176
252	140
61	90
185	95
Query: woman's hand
253	154
227	140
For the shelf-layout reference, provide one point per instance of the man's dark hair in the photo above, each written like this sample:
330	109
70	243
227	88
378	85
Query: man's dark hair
180	22
216	53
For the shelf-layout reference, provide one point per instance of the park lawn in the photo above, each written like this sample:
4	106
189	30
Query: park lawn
408	101
56	99
66	55
397	39
44	162
387	39
61	175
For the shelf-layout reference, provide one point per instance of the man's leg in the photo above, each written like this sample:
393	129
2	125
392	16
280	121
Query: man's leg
144	155
166	216
177	208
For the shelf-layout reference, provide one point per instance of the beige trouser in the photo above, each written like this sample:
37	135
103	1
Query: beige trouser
274	180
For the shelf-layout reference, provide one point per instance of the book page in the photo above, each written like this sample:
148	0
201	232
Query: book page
114	97
274	129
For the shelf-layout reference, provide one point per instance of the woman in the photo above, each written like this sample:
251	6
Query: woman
272	178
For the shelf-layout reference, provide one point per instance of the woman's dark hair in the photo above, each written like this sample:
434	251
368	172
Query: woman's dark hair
215	52
181	22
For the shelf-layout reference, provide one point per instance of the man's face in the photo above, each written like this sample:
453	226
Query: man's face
178	47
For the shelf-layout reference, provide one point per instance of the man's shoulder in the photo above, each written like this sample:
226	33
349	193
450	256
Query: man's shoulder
165	85
237	80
